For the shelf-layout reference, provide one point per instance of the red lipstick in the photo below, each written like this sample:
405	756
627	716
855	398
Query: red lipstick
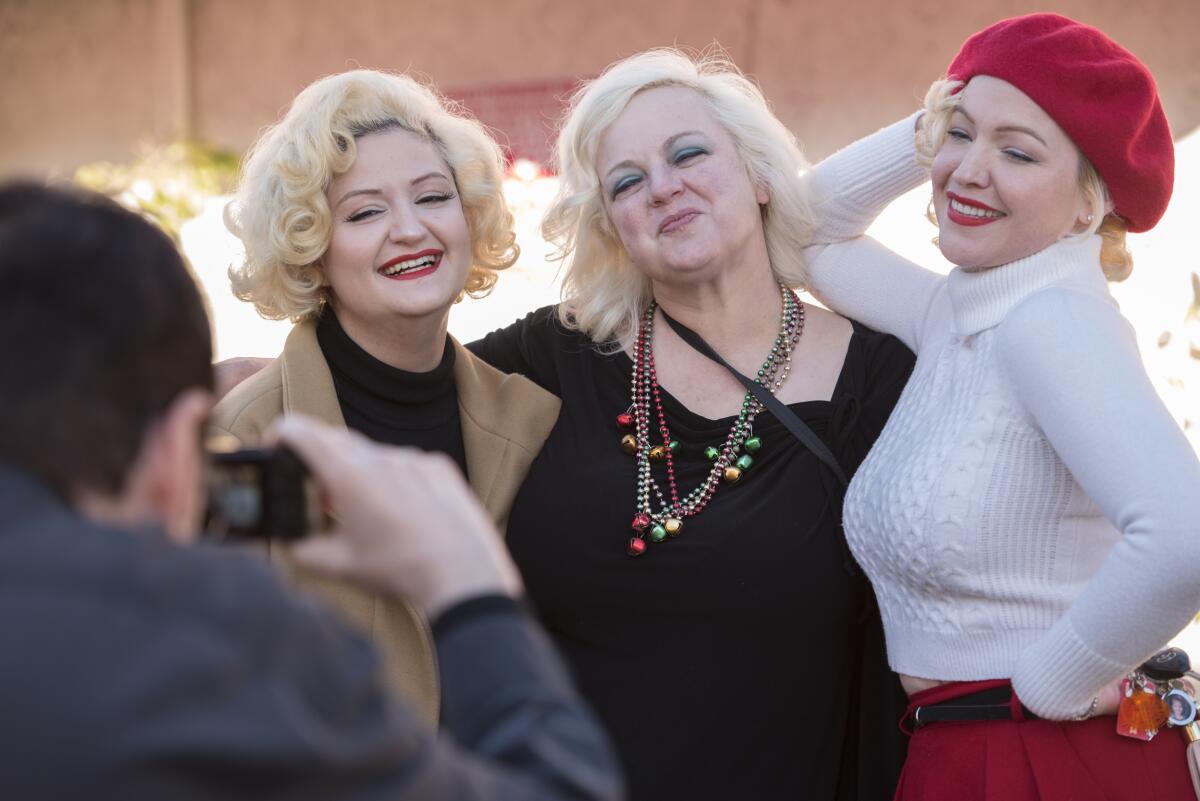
969	220
424	262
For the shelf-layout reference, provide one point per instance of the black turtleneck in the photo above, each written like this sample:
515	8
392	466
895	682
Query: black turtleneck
391	405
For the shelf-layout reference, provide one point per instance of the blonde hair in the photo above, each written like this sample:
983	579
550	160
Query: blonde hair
281	213
1115	259
604	294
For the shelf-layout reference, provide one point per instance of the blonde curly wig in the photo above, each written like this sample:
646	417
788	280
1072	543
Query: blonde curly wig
280	211
1115	259
603	291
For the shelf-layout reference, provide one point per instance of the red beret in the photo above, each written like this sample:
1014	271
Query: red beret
1097	91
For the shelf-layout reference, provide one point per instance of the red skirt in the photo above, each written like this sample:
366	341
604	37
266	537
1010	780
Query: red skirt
1037	760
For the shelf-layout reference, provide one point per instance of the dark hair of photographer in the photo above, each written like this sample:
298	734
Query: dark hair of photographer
89	365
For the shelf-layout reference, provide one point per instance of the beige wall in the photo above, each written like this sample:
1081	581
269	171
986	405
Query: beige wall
83	80
87	79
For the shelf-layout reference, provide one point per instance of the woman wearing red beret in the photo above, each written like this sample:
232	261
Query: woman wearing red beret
1028	517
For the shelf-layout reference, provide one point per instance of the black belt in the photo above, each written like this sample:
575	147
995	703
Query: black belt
993	704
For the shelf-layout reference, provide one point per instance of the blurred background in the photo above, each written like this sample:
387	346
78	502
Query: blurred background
156	100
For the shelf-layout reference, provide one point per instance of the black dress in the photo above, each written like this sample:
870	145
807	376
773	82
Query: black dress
727	663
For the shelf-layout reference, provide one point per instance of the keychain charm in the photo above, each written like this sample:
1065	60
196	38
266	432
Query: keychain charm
1142	712
1181	707
1156	695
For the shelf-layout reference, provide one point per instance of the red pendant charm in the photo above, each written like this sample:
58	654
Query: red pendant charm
641	522
1141	713
637	546
625	420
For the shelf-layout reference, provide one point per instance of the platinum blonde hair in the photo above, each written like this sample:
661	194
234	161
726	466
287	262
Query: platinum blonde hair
940	101
280	211
604	293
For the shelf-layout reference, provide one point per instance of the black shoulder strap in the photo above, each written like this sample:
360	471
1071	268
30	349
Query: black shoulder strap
794	424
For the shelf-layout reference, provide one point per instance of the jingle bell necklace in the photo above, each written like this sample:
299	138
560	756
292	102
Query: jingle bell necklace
727	464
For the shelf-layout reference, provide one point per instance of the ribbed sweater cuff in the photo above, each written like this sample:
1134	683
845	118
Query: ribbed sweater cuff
1060	675
854	185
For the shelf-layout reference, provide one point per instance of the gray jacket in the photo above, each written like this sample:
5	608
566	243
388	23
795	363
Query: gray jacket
135	669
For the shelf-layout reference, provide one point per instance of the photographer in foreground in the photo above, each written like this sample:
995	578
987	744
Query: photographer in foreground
134	667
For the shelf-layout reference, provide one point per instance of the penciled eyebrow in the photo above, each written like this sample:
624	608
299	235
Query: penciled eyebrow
376	191
1005	128
665	146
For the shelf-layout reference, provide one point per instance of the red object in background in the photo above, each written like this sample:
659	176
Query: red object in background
523	116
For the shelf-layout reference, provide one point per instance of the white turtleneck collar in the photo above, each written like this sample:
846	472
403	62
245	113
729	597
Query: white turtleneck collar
982	299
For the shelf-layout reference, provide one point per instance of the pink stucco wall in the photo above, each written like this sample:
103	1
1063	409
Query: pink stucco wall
87	79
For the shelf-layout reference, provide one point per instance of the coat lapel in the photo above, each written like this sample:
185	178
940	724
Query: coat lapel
307	382
505	420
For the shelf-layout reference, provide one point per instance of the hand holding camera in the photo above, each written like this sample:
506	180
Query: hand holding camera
404	522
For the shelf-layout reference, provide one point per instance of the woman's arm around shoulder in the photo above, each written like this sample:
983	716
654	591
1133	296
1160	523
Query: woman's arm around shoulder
251	406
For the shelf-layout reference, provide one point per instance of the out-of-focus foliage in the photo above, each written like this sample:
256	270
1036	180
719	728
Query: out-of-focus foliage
168	183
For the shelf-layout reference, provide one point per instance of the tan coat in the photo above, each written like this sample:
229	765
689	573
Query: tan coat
505	419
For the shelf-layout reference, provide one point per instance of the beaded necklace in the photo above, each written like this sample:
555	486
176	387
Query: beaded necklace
657	526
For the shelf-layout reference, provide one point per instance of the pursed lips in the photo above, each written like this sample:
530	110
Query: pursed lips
677	220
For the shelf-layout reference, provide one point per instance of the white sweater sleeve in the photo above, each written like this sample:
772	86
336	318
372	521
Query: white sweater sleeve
850	188
864	280
861	279
1074	364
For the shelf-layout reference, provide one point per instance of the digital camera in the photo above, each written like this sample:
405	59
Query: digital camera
259	493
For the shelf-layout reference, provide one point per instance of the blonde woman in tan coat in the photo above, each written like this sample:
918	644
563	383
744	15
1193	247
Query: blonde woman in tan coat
366	213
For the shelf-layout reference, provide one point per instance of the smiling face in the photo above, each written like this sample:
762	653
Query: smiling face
675	190
400	243
1006	179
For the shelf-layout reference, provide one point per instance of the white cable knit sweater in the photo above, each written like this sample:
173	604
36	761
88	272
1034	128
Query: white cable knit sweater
1031	511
